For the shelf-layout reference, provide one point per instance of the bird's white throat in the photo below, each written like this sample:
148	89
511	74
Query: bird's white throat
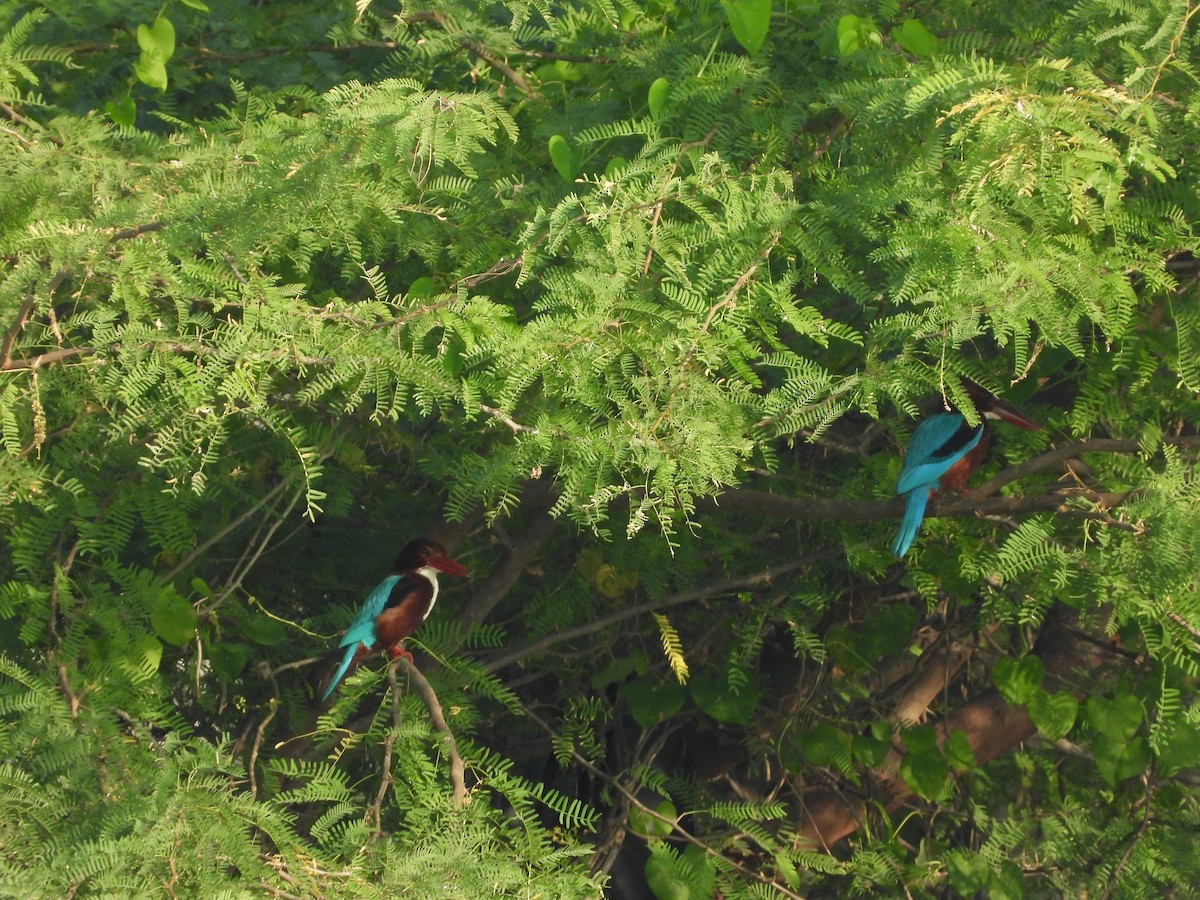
430	573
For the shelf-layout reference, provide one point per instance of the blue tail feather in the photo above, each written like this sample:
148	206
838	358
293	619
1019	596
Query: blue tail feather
910	524
337	677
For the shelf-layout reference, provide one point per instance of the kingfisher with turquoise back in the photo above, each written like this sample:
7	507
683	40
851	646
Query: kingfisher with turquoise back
397	606
942	454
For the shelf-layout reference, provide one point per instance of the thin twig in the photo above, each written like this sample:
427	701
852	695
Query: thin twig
10	336
236	523
126	233
499	65
517	427
457	768
72	698
385	780
296	664
28	123
728	586
20	137
1135	838
678	830
250	558
45	359
258	736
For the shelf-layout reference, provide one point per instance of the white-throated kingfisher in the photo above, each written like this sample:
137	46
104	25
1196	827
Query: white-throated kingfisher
943	453
397	606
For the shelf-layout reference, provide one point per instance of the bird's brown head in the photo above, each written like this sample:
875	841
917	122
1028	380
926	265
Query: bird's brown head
992	407
424	552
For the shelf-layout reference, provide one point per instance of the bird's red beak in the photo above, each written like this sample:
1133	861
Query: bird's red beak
447	565
993	407
1006	412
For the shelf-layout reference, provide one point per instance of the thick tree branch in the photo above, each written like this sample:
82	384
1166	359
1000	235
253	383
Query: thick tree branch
1058	455
976	502
422	686
538	499
992	726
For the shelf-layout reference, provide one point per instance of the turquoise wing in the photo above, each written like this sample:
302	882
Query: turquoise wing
362	629
927	459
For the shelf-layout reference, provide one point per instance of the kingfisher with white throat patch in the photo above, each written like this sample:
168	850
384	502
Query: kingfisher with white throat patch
397	606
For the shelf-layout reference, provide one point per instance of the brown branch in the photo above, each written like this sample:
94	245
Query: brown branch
516	427
10	336
728	586
45	359
499	65
72	698
258	736
744	500
538	499
28	123
422	686
385	779
126	233
992	726
1057	455
1135	837
501	267
976	502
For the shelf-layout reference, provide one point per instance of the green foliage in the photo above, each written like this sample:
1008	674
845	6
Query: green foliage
287	285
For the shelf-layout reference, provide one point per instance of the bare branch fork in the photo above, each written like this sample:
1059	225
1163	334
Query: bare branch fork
426	692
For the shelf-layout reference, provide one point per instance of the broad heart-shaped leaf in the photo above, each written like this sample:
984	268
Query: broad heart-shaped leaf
262	629
151	70
711	692
959	753
173	617
750	21
1053	714
1181	751
663	875
562	156
1118	718
915	38
228	658
650	702
826	745
649	826
656	98
922	739
925	771
856	33
157	39
870	750
620	669
1017	681
1118	760
123	112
